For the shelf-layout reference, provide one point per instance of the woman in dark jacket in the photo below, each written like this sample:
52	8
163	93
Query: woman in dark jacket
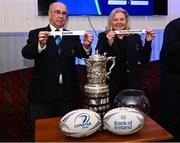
127	49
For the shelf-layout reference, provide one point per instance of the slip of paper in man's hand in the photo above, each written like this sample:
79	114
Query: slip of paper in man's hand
67	33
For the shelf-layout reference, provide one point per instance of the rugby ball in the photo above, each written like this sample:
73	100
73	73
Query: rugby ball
80	123
123	121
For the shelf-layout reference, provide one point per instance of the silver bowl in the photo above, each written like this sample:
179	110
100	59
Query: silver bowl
132	98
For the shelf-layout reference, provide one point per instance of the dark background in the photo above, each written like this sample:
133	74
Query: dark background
160	7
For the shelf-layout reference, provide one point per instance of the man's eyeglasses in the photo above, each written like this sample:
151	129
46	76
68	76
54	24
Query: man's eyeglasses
58	12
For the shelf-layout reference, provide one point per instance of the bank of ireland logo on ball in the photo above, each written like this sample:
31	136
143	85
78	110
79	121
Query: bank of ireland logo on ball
123	121
80	123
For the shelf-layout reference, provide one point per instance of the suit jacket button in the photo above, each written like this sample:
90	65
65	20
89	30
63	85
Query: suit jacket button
127	71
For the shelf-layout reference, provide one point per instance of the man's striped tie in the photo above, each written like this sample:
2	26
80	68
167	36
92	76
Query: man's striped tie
58	41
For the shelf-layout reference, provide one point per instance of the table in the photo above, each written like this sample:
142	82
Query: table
48	130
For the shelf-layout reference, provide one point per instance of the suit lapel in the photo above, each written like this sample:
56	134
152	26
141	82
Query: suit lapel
115	47
128	48
51	41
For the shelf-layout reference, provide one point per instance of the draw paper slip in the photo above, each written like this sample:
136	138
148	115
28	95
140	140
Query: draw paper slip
130	31
67	33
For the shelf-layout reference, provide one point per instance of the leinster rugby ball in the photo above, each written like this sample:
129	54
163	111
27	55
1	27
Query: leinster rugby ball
123	121
80	123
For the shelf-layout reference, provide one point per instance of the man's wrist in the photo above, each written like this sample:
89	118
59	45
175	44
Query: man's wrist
40	49
87	49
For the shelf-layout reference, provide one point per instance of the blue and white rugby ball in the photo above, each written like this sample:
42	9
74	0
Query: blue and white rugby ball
123	121
80	123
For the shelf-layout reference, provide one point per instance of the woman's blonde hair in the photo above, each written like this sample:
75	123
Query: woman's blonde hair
111	16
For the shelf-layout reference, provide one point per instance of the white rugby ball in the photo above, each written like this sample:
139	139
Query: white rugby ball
80	123
123	121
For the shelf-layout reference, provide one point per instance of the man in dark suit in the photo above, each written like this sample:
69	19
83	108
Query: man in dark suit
55	89
170	78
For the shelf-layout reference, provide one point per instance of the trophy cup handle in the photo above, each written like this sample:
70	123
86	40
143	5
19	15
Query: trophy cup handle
113	63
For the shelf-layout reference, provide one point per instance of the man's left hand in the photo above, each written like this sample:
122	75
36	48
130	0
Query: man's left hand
150	35
88	39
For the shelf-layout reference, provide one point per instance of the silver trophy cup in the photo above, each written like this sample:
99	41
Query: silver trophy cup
96	90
